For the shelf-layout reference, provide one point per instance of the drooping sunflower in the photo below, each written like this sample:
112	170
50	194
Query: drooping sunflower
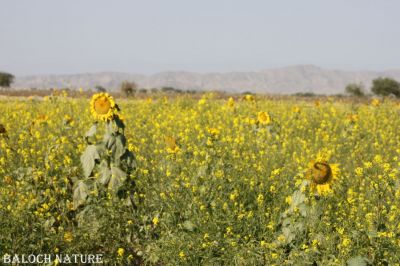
102	106
322	175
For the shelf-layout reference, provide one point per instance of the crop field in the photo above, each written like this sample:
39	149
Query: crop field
209	181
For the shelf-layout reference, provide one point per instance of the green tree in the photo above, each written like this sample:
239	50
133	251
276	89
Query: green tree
6	79
100	88
386	87
355	89
129	88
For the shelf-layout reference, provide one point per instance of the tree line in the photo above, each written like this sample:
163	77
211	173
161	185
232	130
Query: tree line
382	86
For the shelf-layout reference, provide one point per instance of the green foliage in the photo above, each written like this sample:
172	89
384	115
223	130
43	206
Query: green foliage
6	79
357	261
128	88
355	89
100	88
113	163
305	94
89	158
386	87
169	89
219	199
80	194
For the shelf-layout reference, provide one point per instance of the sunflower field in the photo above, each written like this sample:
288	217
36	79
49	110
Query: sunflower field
210	181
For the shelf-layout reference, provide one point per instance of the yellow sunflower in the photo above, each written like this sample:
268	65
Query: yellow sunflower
102	106
249	98
263	118
322	174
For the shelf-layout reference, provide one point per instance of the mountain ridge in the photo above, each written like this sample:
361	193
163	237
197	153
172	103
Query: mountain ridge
283	80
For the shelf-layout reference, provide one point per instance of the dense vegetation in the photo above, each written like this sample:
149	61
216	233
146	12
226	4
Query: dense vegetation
241	181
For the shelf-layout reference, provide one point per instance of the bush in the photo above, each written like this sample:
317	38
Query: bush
6	79
100	88
154	90
355	89
305	94
386	87
129	88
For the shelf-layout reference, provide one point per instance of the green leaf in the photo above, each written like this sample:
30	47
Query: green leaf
105	173
119	123
289	235
88	159
120	146
101	149
298	198
303	208
357	261
80	194
92	131
49	223
118	178
128	161
202	171
109	141
188	225
110	128
88	218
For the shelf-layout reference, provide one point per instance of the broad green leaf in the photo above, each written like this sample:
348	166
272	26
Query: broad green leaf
49	223
120	147
119	123
128	161
118	177
357	261
298	198
88	159
289	235
303	208
202	171
286	222
105	173
188	225
92	131
80	194
89	218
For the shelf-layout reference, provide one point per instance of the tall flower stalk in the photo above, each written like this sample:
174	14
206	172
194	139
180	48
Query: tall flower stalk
107	164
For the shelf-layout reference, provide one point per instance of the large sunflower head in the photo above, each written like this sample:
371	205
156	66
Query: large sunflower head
263	118
102	106
321	175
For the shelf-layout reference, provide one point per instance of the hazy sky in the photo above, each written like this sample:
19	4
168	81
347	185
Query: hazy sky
148	36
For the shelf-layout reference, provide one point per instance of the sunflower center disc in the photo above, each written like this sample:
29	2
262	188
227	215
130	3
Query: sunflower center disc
102	106
321	173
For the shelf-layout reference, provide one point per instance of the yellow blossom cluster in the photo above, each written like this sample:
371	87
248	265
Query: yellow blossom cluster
214	176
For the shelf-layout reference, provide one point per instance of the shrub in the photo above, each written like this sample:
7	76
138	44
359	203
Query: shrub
355	89
6	79
129	88
386	87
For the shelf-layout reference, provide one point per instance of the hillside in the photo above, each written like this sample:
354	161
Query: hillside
292	79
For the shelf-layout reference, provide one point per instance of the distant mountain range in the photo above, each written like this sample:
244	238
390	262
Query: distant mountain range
292	79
